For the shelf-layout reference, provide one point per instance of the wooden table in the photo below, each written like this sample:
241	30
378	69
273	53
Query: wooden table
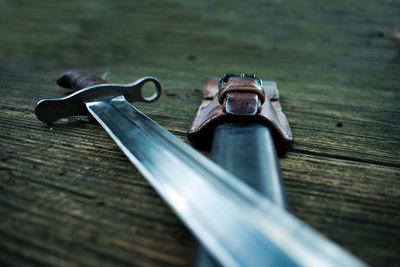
68	195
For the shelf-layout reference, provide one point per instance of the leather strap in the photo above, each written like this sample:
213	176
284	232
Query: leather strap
241	84
240	99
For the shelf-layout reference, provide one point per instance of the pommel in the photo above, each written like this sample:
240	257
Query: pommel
90	88
240	98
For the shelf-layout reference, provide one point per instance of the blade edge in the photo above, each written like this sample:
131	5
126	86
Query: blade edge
255	208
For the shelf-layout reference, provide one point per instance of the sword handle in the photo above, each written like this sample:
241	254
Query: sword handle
90	87
79	79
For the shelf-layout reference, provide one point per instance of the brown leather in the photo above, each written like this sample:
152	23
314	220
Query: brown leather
241	99
241	84
79	79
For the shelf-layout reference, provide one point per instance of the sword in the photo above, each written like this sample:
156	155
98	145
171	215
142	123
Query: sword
235	224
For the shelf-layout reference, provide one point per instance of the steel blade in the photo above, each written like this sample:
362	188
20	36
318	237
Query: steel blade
234	223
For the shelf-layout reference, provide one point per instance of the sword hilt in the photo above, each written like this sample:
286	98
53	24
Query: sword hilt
90	88
79	79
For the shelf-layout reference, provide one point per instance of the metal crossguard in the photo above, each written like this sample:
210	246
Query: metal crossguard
50	110
235	224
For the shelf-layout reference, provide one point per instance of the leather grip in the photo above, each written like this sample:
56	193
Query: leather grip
79	79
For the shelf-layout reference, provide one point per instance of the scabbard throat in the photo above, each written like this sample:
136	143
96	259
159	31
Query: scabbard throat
240	98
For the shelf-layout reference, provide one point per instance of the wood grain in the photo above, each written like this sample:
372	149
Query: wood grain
68	195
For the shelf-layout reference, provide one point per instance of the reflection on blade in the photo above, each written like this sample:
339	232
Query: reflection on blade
237	225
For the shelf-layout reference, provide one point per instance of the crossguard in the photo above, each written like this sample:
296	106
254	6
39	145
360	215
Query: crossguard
50	110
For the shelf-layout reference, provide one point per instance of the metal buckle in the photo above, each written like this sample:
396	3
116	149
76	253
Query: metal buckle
229	75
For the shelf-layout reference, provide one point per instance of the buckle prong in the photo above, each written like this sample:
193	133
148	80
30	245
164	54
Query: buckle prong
230	75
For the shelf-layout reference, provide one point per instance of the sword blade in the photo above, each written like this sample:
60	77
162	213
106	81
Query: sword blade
235	224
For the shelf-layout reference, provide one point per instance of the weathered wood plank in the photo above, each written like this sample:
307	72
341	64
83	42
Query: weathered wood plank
69	197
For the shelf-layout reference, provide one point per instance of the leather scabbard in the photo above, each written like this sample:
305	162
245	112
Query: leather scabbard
240	99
